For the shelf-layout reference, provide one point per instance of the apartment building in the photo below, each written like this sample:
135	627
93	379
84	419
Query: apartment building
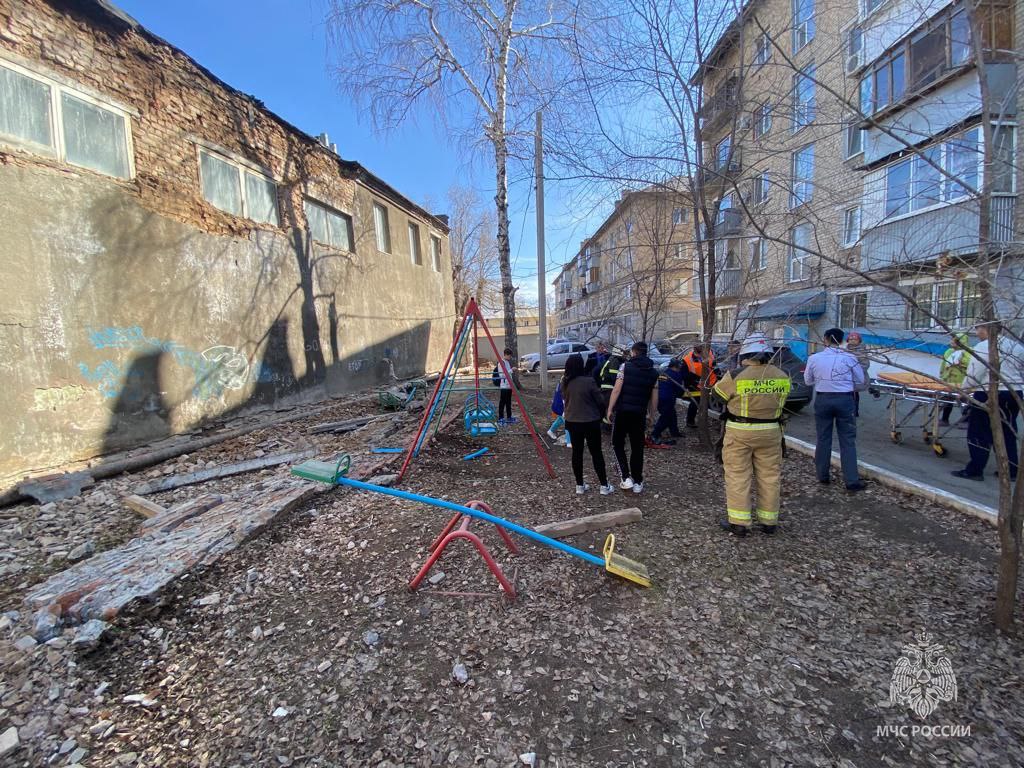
632	278
174	252
815	115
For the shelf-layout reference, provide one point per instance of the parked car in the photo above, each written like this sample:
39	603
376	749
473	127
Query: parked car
783	357
557	355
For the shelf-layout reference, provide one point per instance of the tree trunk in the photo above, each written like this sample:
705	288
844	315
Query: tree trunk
1009	559
508	290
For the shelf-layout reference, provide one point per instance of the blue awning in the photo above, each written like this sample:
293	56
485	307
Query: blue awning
798	305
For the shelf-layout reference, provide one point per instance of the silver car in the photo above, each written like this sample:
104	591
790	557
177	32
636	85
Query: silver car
557	355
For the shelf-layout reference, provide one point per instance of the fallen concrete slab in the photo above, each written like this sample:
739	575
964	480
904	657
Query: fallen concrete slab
55	487
564	528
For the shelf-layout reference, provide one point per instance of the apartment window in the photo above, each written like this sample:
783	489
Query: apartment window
803	98
678	215
854	140
798	268
724	205
851	226
435	252
853	310
867	7
762	49
381	229
681	287
236	189
1004	164
724	319
854	49
955	303
802	169
759	187
758	254
92	135
414	245
942	173
803	23
762	120
680	252
722	153
328	226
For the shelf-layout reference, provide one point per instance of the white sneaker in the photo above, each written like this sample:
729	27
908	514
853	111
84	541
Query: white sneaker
626	484
568	444
638	487
552	435
607	490
581	489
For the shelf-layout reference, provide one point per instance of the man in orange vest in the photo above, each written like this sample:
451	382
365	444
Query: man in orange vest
694	361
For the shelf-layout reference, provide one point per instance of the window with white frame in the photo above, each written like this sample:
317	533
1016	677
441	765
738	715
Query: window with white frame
678	215
236	188
44	116
762	49
724	205
381	228
435	252
759	187
415	253
854	144
851	226
852	310
802	176
724	319
803	23
957	303
854	49
762	120
328	226
723	154
681	287
867	7
680	251
799	267
758	254
942	173
803	98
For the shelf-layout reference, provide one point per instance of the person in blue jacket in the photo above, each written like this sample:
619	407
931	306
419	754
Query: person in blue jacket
558	411
670	386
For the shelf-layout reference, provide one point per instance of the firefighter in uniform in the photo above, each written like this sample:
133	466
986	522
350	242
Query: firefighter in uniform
754	396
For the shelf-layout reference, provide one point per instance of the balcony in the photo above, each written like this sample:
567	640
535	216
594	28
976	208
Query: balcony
722	105
730	222
728	284
714	174
950	230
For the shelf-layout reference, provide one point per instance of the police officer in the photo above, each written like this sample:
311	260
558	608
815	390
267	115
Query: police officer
754	396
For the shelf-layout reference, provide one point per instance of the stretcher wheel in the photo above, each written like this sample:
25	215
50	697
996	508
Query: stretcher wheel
927	437
940	449
896	436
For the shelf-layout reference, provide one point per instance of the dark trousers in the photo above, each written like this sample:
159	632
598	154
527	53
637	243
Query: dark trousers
979	432
691	411
631	425
947	411
586	434
836	409
667	419
505	404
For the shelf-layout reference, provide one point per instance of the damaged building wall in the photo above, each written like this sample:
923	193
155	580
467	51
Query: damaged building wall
133	307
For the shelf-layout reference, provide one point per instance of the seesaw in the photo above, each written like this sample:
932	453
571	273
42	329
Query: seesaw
612	562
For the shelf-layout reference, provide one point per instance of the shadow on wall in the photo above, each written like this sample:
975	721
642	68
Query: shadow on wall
139	414
368	366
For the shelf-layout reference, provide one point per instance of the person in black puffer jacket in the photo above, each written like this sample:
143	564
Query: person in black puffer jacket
634	397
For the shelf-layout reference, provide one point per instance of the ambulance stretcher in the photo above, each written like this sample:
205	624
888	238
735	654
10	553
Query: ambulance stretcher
926	398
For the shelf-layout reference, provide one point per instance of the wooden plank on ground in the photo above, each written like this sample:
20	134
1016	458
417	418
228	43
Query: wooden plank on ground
175	481
144	507
345	426
577	525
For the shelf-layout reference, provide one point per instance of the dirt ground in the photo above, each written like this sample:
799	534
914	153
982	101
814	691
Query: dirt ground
767	651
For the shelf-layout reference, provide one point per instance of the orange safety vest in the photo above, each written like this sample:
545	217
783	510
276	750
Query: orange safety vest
697	366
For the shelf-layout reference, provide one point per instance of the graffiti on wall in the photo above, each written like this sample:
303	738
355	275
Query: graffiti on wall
215	370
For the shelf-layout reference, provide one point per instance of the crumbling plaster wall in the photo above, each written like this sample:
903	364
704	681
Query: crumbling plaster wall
135	309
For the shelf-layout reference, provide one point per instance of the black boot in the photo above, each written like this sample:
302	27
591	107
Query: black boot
735	530
768	530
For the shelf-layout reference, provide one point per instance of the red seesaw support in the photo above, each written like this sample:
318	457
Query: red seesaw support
454	530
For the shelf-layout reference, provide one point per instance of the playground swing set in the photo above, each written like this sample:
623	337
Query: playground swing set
479	420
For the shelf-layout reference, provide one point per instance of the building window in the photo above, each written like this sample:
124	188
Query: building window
681	287
236	189
759	187
802	168
680	251
851	226
762	49
854	49
853	310
724	205
867	7
328	226
678	215
854	140
762	120
955	303
758	254
803	23
381	229
414	244
92	135
941	173
435	252
798	268
724	320
803	98
723	154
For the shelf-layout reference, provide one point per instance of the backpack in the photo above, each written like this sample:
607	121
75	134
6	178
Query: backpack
496	377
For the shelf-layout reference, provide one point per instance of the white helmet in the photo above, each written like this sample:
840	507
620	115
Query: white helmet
754	344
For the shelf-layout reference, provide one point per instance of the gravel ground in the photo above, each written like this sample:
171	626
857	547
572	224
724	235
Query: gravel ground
764	651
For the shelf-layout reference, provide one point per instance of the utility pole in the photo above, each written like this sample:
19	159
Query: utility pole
542	309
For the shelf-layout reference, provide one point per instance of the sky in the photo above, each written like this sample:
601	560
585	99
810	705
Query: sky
277	51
